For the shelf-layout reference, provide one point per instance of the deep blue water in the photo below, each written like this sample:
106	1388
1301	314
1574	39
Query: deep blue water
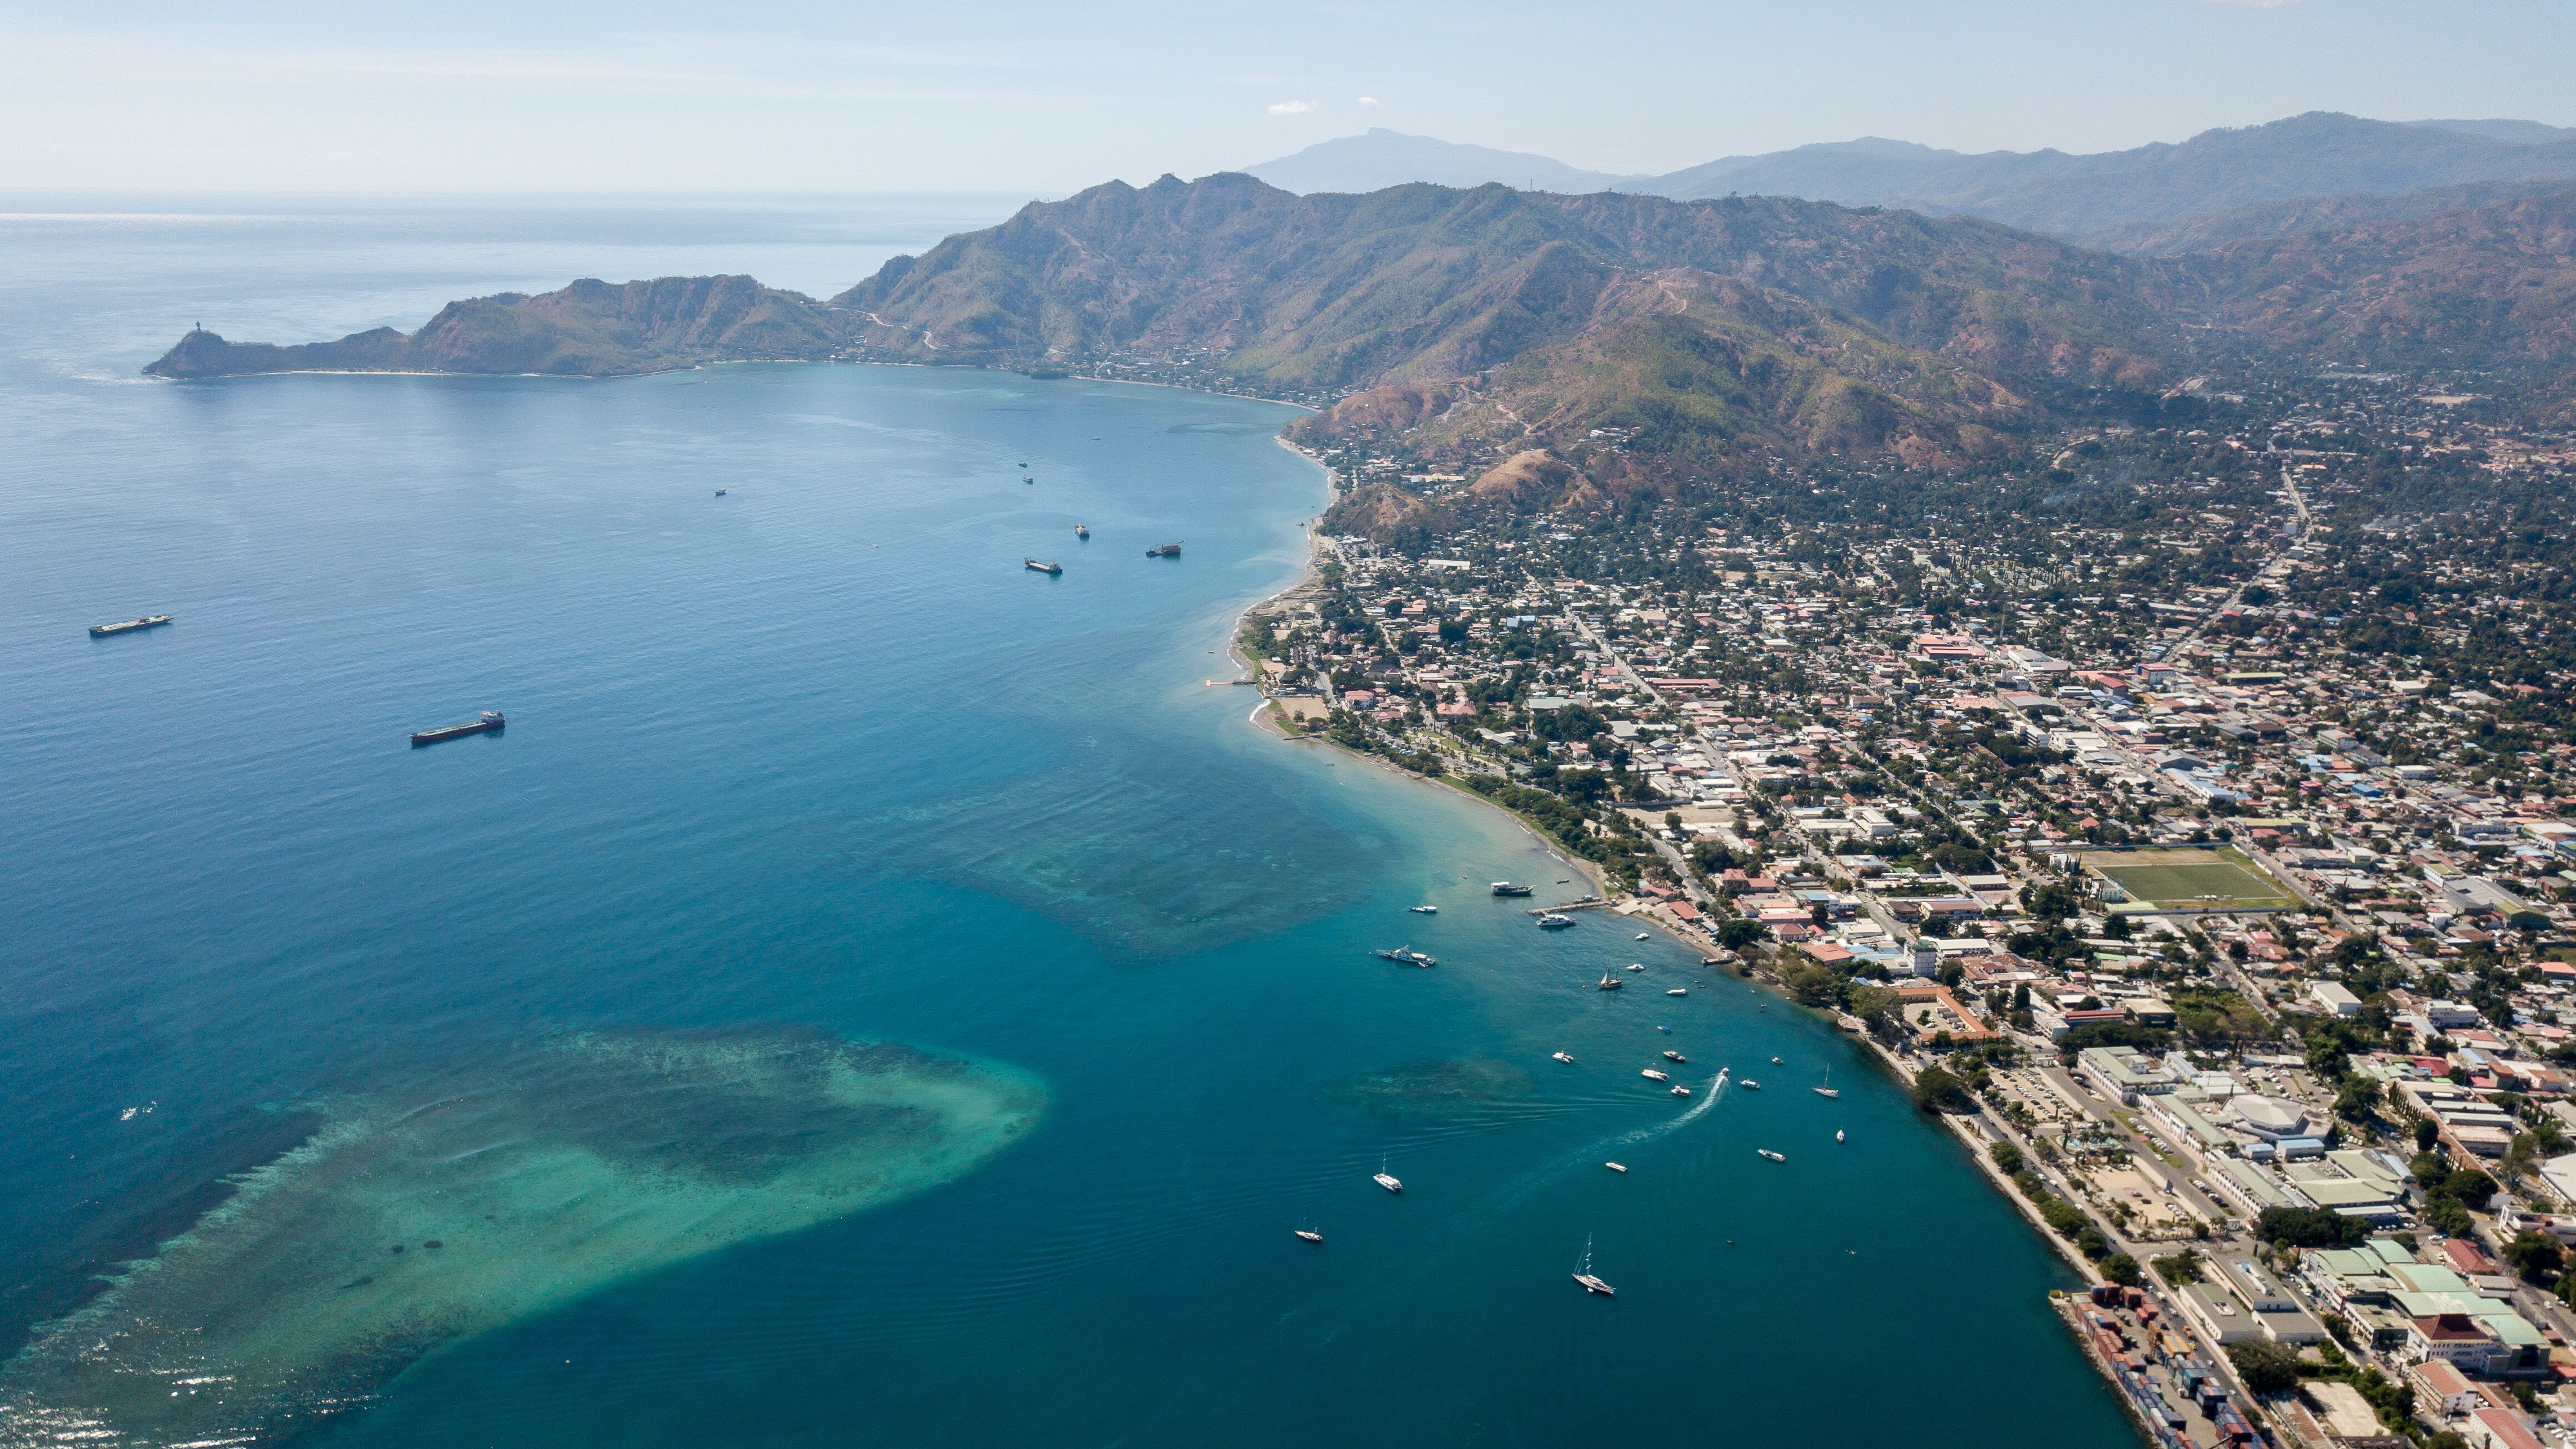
821	752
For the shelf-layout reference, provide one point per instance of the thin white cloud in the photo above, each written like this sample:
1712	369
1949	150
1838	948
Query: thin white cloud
1368	103
1292	108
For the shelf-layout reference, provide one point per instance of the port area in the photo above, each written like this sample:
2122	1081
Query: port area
2173	1392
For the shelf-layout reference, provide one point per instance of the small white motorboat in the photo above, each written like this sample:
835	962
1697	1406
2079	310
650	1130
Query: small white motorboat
1680	1091
1838	1134
1565	1057
1672	1056
1641	935
1750	1085
1678	991
1426	910
1774	1156
1616	1166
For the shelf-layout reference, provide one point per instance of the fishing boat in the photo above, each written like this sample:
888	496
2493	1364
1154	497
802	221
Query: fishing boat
155	621
1774	1156
1565	1057
1675	1057
1082	531
1169	550
1583	1274
1554	922
720	493
1426	910
1650	1074
1385	1179
1406	956
1616	1166
1044	568
1678	991
1506	888
1610	982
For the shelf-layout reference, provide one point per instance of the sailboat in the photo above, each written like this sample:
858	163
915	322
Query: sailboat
1385	1179
1610	982
1838	1134
1827	1090
1308	1235
1583	1274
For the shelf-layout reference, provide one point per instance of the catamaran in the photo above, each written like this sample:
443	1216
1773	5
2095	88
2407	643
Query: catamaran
1565	1057
1385	1179
1650	1074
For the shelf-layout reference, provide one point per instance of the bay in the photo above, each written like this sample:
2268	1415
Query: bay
819	760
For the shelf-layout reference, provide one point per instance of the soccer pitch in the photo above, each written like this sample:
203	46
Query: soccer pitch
2176	880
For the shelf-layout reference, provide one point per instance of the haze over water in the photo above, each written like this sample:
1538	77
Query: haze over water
821	759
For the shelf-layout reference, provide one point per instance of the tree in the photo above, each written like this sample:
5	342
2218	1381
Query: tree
2535	1255
2309	1227
2266	1366
2122	1269
1936	1091
2473	1188
2427	1132
1737	933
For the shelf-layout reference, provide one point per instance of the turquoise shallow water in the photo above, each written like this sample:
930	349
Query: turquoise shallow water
820	755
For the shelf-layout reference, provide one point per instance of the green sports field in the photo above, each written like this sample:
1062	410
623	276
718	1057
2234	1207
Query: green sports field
2217	880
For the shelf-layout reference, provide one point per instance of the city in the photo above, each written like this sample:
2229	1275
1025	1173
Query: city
2193	841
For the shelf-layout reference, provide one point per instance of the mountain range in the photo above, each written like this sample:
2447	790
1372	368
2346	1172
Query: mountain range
1706	333
2318	154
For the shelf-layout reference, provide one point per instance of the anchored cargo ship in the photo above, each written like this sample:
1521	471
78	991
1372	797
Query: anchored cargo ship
1044	568
1169	550
148	621
486	722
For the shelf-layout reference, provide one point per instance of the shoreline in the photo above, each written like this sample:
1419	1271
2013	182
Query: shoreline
1961	1129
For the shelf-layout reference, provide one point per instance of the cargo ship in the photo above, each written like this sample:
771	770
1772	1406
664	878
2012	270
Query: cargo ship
1082	531
148	621
1506	888
1049	569
1169	550
488	722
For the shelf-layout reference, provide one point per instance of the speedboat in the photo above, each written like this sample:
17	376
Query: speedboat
1554	922
1675	1057
1680	1091
1426	910
1750	1085
1636	965
1678	991
1565	1057
1641	935
1616	1166
1774	1156
1775	1061
1650	1074
1827	1092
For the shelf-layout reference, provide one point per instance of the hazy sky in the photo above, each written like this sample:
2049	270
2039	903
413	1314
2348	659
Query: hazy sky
1043	98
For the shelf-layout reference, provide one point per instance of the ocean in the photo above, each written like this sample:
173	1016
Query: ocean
870	990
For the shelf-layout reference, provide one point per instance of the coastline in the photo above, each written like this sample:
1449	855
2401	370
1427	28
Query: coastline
1959	1128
